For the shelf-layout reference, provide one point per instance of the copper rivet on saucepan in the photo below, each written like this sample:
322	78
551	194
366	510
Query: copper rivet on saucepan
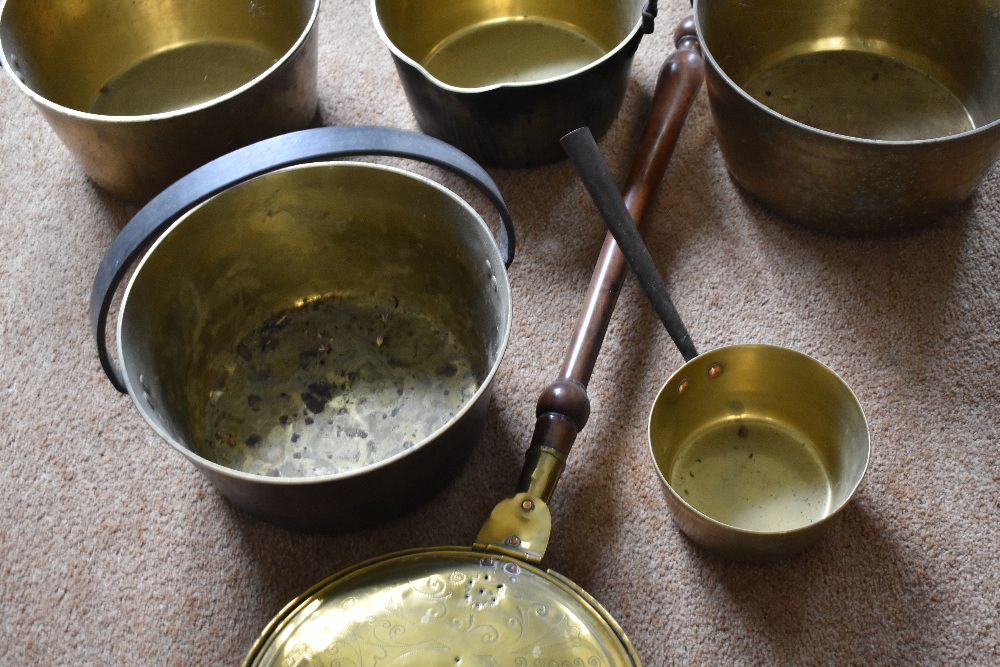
513	540
527	505
682	387
715	370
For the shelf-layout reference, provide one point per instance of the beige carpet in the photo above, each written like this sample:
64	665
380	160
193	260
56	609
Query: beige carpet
115	550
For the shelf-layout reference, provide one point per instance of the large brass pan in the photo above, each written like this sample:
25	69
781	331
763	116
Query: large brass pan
862	117
143	92
319	337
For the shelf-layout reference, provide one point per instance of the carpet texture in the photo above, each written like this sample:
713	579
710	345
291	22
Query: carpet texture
115	550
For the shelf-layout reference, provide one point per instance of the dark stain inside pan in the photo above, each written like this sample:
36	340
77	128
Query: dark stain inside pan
333	385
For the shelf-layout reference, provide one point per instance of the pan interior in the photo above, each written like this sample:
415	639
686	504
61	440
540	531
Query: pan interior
893	71
472	43
759	438
860	94
444	608
135	58
533	50
315	321
753	474
332	385
180	77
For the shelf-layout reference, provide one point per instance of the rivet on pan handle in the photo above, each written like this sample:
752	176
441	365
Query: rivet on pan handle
257	159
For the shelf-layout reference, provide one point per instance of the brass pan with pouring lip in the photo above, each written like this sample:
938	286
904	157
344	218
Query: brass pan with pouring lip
504	80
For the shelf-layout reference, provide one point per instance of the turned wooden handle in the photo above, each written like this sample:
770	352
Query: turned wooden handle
564	407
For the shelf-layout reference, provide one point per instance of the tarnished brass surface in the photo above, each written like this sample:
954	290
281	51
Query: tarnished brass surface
281	241
504	80
442	608
857	117
426	32
143	92
758	448
520	525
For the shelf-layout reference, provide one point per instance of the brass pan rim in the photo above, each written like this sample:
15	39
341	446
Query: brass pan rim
395	50
815	526
46	103
485	384
716	68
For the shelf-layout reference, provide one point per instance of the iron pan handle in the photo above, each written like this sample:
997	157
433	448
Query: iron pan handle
597	178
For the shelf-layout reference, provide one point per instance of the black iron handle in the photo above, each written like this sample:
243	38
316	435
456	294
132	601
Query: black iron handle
648	14
597	178
647	24
241	165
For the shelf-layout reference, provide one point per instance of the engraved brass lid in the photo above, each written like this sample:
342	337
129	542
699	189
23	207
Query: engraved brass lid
453	606
442	607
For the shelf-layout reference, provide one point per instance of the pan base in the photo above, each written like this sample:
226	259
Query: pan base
862	95
180	77
514	50
334	385
753	475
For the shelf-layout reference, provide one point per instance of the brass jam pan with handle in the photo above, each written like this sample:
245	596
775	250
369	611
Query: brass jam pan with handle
414	607
318	336
759	447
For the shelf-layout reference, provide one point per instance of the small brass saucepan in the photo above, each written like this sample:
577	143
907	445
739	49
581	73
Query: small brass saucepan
758	447
491	603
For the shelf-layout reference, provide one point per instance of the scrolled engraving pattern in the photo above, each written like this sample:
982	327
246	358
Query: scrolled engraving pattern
481	615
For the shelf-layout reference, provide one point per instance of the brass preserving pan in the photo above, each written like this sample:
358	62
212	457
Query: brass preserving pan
326	409
144	92
858	117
